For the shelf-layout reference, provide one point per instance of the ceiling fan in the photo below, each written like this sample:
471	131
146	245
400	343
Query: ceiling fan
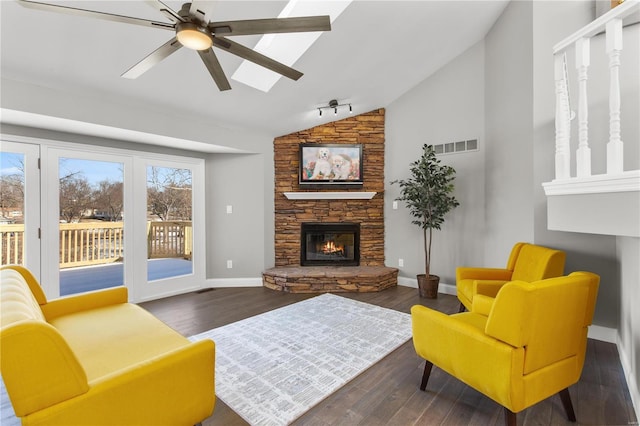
194	30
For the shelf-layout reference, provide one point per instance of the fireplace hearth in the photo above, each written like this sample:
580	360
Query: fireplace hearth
334	244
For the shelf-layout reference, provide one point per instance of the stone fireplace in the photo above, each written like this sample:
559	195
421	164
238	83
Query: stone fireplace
330	244
292	273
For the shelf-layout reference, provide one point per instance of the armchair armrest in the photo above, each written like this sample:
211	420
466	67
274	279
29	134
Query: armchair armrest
38	367
83	302
473	273
510	319
482	304
487	287
174	388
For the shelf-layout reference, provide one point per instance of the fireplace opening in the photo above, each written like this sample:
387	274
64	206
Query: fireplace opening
335	244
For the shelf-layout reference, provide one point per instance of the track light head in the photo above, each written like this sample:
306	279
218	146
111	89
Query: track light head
333	104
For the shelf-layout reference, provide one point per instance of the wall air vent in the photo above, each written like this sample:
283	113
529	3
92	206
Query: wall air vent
456	147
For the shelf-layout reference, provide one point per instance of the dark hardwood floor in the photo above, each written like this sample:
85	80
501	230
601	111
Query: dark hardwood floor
387	393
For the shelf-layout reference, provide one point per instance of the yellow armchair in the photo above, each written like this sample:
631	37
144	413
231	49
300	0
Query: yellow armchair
531	345
527	262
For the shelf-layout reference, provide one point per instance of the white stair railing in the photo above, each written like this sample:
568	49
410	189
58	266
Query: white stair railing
583	159
611	23
563	118
615	153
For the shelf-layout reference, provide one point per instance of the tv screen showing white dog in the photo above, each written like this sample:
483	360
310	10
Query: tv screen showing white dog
331	163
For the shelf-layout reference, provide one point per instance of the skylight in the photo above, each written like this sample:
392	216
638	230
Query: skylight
289	47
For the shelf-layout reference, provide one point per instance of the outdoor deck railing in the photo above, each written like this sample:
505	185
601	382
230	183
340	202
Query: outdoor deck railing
95	243
12	244
83	244
169	239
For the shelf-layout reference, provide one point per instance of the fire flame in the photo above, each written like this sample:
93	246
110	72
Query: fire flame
331	247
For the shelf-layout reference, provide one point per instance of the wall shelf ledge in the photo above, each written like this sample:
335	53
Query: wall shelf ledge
600	204
330	195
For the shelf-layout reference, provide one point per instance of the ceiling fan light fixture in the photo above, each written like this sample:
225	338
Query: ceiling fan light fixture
193	37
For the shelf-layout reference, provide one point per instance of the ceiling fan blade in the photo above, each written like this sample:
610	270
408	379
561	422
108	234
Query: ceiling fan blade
165	10
270	26
152	59
211	62
202	10
93	14
255	57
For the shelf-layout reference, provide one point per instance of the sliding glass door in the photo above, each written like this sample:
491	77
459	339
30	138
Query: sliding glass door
122	218
91	224
169	222
174	224
20	205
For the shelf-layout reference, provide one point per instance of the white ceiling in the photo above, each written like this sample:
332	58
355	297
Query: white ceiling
376	51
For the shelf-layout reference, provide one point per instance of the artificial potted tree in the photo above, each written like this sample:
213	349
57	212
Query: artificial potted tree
428	194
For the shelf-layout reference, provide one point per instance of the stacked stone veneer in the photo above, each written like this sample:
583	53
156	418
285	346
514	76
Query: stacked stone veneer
368	130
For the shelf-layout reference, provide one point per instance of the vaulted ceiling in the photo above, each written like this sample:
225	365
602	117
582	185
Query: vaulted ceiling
375	52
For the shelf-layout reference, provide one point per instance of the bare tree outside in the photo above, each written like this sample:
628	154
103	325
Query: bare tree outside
12	199
108	200
76	198
12	184
169	193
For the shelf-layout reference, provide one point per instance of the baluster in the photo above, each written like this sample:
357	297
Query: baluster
615	145
563	130
583	155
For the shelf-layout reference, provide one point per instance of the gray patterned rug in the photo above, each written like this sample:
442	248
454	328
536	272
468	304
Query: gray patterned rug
274	367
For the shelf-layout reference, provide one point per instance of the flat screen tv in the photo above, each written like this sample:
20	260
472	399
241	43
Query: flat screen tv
330	164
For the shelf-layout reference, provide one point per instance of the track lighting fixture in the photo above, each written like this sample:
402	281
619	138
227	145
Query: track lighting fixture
333	104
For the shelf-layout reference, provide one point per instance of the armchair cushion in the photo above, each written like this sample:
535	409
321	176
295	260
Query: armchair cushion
538	263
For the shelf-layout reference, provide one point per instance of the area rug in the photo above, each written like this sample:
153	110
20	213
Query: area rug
274	367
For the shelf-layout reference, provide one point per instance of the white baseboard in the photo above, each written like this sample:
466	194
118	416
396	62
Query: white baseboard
233	282
629	376
605	334
408	282
413	282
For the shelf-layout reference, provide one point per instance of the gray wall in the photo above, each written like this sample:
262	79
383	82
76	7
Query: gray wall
447	107
246	235
508	109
